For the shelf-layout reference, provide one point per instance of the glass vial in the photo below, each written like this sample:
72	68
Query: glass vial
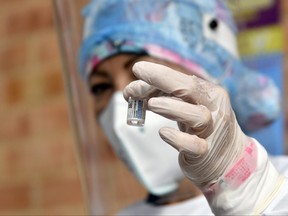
136	112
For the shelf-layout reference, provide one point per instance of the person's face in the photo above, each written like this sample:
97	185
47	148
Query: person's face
113	74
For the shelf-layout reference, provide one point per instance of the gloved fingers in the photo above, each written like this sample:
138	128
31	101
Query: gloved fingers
197	117
189	88
183	142
139	89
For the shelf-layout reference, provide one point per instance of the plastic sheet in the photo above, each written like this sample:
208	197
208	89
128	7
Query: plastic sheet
107	184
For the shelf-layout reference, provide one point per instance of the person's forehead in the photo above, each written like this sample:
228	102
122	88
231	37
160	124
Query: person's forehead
122	59
126	61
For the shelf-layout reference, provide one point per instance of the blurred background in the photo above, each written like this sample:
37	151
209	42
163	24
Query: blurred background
39	174
38	169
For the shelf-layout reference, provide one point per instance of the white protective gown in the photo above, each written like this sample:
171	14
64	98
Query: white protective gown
199	205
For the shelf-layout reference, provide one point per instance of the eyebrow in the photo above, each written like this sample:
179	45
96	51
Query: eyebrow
100	73
131	61
127	65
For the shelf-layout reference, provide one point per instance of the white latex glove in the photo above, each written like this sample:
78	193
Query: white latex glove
230	168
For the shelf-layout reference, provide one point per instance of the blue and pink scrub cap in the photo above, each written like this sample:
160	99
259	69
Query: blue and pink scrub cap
168	29
176	30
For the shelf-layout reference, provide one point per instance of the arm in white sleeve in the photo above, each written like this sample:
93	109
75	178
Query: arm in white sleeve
231	169
251	185
279	204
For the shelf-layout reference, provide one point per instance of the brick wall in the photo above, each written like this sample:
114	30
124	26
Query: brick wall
37	163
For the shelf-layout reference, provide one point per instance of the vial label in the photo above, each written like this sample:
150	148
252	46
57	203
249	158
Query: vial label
136	112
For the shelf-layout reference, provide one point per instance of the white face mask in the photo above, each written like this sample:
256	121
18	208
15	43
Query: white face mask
152	161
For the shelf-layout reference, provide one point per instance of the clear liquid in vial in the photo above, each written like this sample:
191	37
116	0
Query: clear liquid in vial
136	112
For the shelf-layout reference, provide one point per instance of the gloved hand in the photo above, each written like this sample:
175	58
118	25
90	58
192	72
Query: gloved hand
214	153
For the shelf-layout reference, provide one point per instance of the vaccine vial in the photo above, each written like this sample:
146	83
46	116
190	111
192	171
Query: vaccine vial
136	112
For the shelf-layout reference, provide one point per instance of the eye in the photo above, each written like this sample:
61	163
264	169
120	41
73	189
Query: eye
213	24
101	88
